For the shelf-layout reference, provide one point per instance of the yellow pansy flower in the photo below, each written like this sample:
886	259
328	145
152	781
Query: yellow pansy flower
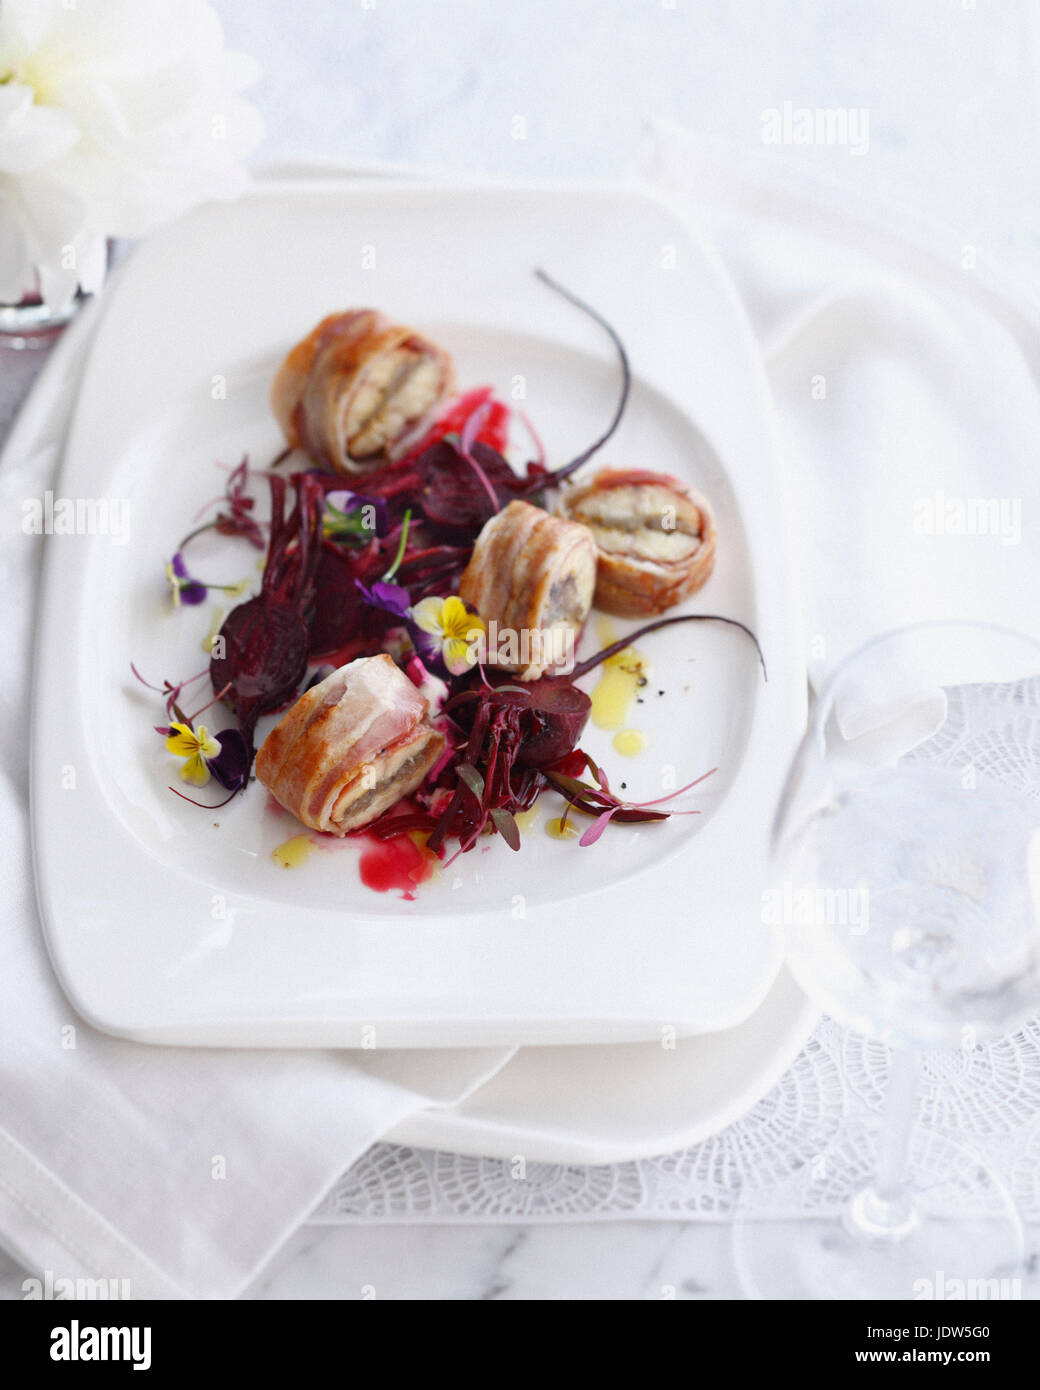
196	746
457	630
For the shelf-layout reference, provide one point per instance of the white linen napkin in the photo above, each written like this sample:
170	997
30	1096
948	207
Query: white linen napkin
180	1170
907	379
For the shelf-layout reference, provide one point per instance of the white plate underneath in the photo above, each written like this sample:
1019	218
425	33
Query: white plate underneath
615	1103
170	925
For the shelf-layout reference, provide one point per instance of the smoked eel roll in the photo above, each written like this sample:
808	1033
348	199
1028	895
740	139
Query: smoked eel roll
655	538
350	747
359	389
531	577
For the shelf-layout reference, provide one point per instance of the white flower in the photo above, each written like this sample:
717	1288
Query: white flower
115	116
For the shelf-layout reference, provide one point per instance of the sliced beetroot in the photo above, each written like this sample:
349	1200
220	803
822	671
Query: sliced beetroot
512	733
555	722
342	621
339	615
260	656
460	492
554	714
433	570
264	659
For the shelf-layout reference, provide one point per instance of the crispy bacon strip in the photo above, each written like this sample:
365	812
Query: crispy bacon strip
533	575
655	538
350	747
359	389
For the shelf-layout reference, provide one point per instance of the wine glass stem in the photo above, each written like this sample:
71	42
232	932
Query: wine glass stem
899	1114
884	1208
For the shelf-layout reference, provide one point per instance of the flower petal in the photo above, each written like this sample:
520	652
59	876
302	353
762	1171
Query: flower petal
426	615
232	763
426	644
193	592
392	597
459	656
31	134
195	771
454	618
182	741
209	747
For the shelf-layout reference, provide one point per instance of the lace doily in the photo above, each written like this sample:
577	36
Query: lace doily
985	1098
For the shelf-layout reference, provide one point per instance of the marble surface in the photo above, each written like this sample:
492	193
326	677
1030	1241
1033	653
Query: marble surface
628	1260
563	88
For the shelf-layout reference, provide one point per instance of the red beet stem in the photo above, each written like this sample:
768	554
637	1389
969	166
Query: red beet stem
582	667
557	476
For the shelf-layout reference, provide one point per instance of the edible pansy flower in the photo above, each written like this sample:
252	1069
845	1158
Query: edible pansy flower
391	598
196	747
224	756
456	629
238	520
183	588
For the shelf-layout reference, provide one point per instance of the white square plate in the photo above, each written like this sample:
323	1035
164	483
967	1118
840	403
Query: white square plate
168	924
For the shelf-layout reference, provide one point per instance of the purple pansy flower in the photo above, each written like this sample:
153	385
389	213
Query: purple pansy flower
391	598
231	764
183	588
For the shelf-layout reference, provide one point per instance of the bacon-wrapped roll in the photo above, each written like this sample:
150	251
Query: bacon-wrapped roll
655	538
350	747
532	575
358	389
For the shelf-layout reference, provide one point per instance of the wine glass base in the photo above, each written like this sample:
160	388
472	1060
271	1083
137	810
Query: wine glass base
953	1232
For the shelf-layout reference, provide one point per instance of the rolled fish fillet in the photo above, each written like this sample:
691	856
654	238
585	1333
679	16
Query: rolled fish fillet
532	575
655	538
359	389
350	747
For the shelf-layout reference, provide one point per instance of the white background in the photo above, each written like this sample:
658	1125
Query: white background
950	86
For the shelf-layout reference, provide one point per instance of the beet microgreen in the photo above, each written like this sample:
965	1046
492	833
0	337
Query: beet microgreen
238	520
596	799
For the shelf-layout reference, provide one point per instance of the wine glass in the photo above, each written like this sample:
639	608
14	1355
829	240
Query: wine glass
905	881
